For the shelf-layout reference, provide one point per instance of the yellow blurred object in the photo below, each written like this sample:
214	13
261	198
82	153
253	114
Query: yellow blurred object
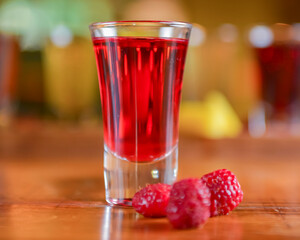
212	118
71	84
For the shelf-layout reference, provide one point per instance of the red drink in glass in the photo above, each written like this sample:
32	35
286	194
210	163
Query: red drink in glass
140	81
140	67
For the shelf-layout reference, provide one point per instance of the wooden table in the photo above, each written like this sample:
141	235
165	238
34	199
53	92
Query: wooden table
51	186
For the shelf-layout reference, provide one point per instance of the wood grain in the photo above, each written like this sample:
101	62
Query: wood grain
51	186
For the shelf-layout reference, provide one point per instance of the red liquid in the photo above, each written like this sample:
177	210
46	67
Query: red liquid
279	66
140	83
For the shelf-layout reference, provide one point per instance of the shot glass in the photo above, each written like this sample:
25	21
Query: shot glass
277	51
140	68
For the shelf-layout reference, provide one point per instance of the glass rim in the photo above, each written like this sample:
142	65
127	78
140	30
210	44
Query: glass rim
145	23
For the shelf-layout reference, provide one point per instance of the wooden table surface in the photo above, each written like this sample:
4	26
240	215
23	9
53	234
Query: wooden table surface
51	186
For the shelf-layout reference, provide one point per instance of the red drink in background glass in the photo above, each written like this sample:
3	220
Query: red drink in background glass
279	65
140	82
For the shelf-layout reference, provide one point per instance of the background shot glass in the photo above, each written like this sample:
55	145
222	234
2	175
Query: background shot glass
277	51
140	67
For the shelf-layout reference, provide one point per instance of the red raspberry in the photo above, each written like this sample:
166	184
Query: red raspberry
188	203
226	192
152	200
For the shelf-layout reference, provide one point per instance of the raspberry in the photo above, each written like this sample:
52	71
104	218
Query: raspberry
226	192
152	200
189	203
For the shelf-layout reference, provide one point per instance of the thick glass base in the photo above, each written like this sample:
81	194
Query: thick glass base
124	178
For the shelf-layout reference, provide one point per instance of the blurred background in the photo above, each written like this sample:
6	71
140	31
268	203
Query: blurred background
242	70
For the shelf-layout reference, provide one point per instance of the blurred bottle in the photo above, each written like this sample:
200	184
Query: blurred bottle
25	20
9	63
30	89
70	75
